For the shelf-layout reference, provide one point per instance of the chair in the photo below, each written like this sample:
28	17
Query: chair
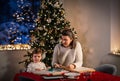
107	68
21	78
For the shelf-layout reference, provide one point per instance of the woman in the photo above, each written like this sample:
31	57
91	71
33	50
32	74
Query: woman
69	52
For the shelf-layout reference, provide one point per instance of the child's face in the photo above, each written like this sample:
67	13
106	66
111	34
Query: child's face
37	57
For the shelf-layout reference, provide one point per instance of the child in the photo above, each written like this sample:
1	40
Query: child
36	65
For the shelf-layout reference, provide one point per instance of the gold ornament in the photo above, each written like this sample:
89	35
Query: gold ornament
40	28
56	5
33	38
49	20
42	43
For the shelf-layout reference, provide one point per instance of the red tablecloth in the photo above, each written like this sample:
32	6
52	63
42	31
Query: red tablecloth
94	76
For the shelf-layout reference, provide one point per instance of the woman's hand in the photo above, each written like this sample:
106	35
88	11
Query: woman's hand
57	65
71	66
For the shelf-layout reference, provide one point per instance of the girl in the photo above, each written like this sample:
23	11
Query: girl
36	65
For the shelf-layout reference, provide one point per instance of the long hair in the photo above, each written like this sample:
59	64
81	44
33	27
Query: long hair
68	32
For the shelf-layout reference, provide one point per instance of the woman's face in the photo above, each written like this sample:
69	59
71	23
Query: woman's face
36	58
66	40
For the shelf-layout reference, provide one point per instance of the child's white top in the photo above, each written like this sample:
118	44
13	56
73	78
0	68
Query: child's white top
32	66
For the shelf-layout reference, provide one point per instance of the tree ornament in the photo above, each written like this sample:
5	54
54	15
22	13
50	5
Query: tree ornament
49	20
40	28
56	5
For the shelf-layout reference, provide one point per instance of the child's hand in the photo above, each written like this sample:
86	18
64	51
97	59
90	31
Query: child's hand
38	69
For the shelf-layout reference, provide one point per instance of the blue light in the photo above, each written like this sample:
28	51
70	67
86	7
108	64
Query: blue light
11	31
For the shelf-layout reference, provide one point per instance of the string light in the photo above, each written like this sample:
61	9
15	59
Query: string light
116	52
15	47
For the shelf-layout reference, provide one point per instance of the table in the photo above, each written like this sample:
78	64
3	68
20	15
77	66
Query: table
93	76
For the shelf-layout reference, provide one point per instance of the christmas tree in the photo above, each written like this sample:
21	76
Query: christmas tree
49	24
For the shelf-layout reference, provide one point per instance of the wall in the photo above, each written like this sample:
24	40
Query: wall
115	25
9	64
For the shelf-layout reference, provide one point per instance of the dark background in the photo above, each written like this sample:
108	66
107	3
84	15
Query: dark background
8	24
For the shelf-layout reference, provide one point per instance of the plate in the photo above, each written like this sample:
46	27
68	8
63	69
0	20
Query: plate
72	74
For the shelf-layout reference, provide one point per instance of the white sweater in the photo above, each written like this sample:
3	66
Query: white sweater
32	66
66	56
